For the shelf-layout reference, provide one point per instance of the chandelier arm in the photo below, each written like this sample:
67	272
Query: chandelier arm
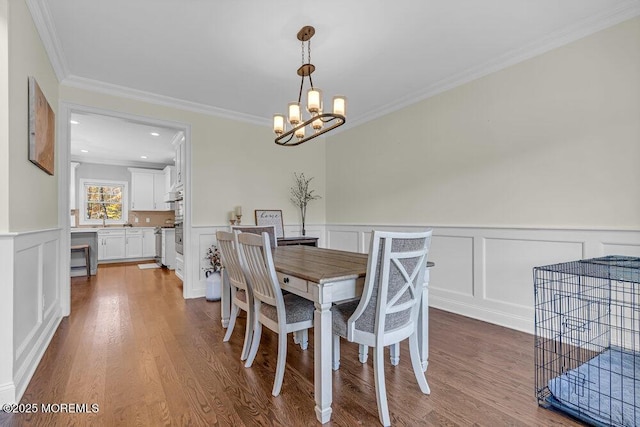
286	137
300	93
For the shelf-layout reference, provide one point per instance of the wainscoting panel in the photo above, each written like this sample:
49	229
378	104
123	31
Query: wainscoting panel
621	249
27	295
487	273
453	256
509	266
481	272
344	240
34	278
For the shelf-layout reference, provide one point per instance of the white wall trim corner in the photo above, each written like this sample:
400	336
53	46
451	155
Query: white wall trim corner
487	273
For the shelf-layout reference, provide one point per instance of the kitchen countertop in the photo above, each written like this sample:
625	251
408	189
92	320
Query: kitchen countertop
84	230
96	229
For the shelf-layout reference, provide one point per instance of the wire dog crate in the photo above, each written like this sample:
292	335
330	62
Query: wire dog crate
587	340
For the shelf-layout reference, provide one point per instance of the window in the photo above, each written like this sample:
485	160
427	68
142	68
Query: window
103	202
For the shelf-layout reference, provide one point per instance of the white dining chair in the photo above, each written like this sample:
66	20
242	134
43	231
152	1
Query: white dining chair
300	337
258	229
387	312
280	313
241	294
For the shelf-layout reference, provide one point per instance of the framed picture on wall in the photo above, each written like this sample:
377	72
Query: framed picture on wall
270	217
41	129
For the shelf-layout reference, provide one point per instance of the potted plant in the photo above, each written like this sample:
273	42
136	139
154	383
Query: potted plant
301	195
213	267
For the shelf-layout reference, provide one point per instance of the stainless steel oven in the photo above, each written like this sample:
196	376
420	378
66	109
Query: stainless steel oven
179	234
179	207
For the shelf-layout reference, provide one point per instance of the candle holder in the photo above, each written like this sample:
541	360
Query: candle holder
238	219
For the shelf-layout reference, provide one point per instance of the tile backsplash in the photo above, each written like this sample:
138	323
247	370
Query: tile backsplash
155	218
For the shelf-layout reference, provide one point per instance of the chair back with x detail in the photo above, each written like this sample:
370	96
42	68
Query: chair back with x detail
387	312
241	293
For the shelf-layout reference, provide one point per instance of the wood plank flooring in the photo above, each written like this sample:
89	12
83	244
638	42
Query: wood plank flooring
133	346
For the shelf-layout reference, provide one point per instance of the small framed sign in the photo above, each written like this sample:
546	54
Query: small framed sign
271	217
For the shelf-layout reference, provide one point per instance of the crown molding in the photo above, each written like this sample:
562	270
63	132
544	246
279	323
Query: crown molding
628	10
44	25
120	163
167	101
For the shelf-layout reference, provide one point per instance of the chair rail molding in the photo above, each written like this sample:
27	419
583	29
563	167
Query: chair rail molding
487	273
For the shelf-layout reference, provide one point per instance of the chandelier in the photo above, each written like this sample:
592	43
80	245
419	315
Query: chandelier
319	121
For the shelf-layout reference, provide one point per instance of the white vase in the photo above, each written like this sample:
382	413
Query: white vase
212	291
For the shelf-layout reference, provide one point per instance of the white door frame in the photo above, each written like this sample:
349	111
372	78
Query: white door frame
65	109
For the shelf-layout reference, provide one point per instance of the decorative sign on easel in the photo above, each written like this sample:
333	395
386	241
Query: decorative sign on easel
271	217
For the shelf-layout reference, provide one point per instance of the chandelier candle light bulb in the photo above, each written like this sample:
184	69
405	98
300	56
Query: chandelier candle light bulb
340	105
319	122
294	113
314	100
278	124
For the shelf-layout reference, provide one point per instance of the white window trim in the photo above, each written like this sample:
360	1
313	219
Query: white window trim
103	182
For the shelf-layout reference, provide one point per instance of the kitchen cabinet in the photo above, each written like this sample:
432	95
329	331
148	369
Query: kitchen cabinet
148	243
148	190
111	244
133	243
122	244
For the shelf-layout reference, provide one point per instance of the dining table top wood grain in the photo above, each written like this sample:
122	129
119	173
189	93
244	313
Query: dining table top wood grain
319	265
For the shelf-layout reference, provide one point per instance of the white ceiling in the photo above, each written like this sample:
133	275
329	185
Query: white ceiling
116	141
239	58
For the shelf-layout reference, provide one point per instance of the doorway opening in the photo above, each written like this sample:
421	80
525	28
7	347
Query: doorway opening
108	147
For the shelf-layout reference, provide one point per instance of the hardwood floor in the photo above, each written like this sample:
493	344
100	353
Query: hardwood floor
133	346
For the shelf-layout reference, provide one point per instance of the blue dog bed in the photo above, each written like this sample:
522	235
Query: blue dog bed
606	389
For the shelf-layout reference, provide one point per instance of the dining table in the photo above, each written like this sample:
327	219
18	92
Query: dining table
328	276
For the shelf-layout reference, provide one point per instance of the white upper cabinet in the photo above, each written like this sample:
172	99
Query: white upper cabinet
148	190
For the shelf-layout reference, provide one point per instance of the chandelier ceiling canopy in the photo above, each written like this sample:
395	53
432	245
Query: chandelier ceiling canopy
318	121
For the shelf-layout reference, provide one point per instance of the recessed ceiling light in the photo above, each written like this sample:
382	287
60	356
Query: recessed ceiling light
155	134
143	157
74	122
84	151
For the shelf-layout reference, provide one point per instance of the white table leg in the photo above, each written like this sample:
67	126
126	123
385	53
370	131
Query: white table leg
423	323
225	300
322	333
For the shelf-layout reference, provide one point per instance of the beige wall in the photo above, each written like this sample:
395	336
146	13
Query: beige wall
32	194
553	141
233	163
